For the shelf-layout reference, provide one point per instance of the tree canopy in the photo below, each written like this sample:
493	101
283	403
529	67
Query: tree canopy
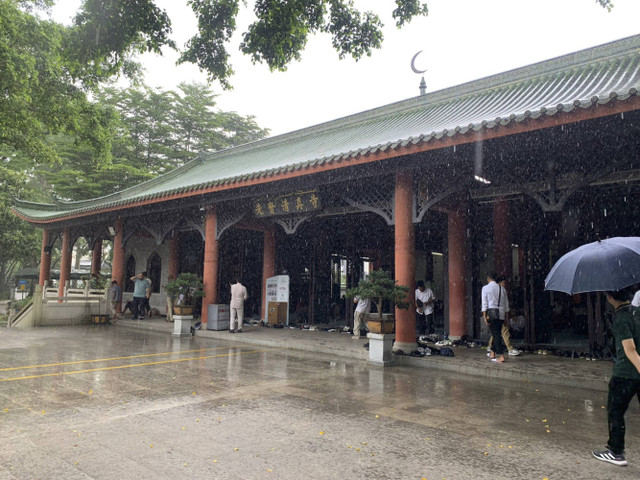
106	33
149	131
61	136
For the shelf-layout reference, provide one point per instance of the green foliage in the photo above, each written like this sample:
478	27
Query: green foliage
380	286
408	9
137	133
19	242
99	282
281	30
188	284
106	34
22	304
216	24
39	95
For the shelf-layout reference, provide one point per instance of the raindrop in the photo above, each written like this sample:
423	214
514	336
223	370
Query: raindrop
605	212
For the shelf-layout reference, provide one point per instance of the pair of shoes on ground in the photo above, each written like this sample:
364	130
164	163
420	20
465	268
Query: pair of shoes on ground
610	457
235	331
495	360
514	353
356	337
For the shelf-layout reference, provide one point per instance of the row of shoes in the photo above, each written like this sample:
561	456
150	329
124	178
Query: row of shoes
416	353
592	355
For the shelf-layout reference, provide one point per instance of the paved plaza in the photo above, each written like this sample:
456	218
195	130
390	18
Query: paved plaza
114	402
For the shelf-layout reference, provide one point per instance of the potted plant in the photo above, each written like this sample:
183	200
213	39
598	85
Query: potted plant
379	286
183	290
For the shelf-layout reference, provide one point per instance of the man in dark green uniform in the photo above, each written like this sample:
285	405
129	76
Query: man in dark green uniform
625	382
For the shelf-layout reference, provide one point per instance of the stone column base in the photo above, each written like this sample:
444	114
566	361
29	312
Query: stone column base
182	325
380	348
406	347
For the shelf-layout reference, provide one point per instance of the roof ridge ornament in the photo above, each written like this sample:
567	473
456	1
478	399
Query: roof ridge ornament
423	84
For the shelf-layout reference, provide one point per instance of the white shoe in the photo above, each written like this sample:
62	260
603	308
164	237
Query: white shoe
356	337
488	354
514	353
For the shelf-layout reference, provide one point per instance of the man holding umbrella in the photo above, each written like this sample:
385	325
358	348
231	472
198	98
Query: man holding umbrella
611	265
625	382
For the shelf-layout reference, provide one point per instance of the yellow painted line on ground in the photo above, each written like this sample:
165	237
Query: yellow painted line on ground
117	367
110	359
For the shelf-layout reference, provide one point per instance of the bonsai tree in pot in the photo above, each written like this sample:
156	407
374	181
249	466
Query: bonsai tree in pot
379	286
183	290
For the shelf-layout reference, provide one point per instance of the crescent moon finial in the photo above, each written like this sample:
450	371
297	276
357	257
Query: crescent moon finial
413	64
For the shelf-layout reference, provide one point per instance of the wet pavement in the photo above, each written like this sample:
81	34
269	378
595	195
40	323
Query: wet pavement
547	369
135	402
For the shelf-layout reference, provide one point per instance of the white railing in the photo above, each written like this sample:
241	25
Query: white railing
85	294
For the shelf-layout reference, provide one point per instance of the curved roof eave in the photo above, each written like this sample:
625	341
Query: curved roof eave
585	81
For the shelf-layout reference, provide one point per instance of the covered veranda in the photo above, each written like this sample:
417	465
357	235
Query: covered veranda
504	173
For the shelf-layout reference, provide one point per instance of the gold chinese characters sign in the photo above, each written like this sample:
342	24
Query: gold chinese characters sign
299	202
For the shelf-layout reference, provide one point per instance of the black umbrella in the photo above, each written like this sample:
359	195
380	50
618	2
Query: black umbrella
605	265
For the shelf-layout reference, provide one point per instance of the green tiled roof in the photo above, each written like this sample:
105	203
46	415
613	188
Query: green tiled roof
599	75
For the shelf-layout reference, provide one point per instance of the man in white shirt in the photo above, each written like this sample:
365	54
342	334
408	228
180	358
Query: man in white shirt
238	297
424	299
491	302
505	313
359	317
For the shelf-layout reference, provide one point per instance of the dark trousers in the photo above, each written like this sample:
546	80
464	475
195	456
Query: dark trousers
621	392
138	306
495	326
431	327
420	324
425	324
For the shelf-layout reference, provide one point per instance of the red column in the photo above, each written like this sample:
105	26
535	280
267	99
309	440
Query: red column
268	264
502	261
117	269
65	262
457	225
45	259
96	257
405	260
210	275
173	256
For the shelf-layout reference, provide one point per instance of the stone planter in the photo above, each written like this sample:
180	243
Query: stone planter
182	325
183	310
380	349
386	326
